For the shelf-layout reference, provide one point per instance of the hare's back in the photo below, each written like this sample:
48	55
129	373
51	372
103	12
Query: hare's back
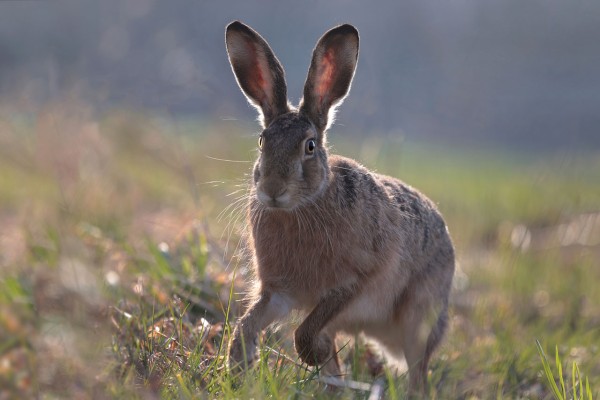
419	216
394	205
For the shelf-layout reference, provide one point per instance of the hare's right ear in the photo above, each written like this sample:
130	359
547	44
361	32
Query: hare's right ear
330	74
257	70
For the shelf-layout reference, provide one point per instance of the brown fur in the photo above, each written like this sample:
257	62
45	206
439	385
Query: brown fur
358	251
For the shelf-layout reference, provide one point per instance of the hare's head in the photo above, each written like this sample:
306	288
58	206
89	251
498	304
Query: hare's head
292	166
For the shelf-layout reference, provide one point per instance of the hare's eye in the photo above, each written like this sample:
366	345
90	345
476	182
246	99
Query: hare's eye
260	142
310	146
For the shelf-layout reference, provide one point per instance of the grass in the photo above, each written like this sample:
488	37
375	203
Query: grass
577	390
118	279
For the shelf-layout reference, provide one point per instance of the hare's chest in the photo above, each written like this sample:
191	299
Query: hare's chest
293	257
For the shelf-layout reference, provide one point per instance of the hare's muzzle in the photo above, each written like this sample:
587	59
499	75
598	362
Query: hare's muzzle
275	199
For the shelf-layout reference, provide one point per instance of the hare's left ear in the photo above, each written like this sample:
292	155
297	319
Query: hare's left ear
330	74
257	70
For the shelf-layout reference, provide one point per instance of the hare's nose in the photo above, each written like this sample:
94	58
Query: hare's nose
273	188
283	197
280	193
279	198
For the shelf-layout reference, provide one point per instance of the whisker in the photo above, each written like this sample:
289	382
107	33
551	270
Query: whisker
223	159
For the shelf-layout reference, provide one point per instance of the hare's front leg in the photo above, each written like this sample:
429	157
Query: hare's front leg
269	308
314	344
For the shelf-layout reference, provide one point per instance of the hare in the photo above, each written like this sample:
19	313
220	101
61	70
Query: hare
359	252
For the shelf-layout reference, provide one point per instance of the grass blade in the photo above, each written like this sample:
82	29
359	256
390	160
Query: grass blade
588	391
548	372
574	378
560	373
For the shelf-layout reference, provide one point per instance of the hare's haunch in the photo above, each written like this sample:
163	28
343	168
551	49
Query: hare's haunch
357	251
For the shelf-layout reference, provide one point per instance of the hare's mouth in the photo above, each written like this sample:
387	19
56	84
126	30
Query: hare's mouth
282	200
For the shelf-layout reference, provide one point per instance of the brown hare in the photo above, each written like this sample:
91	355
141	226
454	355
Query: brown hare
357	251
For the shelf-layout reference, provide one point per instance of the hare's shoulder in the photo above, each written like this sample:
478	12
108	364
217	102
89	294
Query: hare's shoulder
354	181
416	210
406	198
357	187
352	184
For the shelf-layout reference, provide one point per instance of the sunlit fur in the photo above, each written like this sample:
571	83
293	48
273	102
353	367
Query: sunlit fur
355	250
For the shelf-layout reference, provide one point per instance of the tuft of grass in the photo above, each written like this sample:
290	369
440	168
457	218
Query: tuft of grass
577	389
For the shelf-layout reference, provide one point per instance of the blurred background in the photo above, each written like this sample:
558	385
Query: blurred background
125	146
519	74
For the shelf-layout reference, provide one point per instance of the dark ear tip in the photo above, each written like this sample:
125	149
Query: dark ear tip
344	30
236	26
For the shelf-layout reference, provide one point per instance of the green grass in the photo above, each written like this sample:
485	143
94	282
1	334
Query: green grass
576	390
117	279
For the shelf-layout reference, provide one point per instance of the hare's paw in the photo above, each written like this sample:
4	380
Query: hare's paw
242	354
313	350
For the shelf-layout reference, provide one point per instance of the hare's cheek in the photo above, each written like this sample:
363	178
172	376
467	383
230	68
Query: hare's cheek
298	171
312	173
256	175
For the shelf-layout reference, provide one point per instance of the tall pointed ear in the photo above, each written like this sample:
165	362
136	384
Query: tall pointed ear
258	72
330	74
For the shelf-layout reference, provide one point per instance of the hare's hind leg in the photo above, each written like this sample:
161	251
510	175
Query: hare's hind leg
422	311
416	329
421	331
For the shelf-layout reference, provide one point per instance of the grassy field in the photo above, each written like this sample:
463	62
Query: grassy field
117	269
